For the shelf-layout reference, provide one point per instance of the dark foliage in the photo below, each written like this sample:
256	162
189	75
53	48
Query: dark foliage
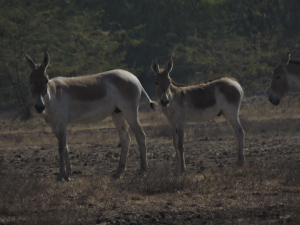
205	38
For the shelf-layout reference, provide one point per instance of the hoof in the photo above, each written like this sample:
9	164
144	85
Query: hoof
179	172
116	176
60	178
67	179
240	162
120	170
141	173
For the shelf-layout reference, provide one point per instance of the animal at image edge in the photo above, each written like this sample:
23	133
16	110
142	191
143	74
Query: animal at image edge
91	98
198	102
285	76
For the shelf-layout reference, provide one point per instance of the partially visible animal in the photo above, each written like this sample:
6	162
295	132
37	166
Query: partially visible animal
198	102
90	98
285	76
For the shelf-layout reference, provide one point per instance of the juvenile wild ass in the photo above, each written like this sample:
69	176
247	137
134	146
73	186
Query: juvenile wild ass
198	102
285	76
89	98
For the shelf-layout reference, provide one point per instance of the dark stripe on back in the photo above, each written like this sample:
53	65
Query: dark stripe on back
202	82
294	61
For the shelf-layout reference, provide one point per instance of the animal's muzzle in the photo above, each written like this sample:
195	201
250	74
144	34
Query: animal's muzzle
274	101
40	108
272	97
164	99
39	103
164	102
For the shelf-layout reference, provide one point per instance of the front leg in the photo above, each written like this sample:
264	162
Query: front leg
178	139
65	165
175	143
180	130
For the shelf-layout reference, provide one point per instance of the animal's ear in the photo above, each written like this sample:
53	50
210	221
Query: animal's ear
29	61
46	59
155	66
286	59
169	65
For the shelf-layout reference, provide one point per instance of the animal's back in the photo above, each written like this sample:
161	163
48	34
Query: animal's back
97	86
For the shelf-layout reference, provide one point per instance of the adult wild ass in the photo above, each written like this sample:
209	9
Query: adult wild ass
198	102
285	76
89	98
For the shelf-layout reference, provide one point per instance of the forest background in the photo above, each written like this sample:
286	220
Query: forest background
206	38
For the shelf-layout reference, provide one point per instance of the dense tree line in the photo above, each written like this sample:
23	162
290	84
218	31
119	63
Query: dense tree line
206	38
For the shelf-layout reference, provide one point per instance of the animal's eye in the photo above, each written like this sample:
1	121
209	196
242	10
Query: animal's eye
156	83
277	77
46	81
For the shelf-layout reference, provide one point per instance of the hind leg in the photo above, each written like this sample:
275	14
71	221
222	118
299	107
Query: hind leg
124	136
134	123
235	124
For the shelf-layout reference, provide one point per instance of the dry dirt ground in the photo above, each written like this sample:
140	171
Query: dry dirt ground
213	191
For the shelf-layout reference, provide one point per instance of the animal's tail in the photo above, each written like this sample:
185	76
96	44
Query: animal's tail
153	104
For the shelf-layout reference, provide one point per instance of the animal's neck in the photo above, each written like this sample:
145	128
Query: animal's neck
47	97
294	80
174	88
293	69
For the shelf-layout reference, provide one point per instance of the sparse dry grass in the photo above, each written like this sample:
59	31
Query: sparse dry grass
267	194
259	193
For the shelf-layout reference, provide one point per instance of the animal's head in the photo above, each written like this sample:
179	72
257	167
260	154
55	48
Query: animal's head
279	86
38	80
162	81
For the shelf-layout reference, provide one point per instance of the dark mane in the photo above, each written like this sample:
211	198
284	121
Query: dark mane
202	82
295	61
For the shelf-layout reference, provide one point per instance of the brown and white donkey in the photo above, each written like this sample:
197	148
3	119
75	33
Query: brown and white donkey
198	102
89	98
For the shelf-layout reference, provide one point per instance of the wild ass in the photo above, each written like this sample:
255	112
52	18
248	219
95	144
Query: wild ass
89	98
285	76
198	102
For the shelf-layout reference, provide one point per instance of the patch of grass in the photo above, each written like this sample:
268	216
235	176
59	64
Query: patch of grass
44	201
88	200
159	180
